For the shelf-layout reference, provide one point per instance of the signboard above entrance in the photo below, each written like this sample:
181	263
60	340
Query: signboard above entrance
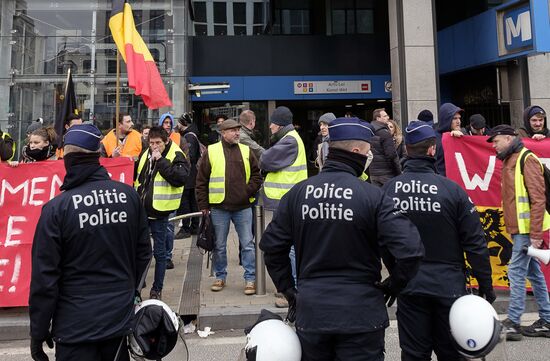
305	87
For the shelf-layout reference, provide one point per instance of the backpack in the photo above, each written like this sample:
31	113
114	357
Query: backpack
545	173
185	145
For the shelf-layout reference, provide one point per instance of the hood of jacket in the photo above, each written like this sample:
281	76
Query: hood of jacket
527	124
164	116
445	117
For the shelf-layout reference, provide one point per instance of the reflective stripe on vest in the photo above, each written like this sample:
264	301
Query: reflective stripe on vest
165	196
277	184
216	185
5	136
523	206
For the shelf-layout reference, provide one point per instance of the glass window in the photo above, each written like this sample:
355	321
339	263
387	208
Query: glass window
220	29
258	13
338	21
201	29
239	30
200	11
352	17
365	21
220	13
239	13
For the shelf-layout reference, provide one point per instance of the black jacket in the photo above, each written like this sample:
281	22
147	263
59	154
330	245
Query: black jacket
175	173
6	146
190	141
385	161
85	273
449	225
338	250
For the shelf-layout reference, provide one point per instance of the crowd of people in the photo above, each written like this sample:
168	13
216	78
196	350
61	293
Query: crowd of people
332	286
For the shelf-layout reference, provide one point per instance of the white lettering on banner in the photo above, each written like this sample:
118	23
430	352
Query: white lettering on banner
28	195
11	231
325	210
476	181
7	186
35	190
16	272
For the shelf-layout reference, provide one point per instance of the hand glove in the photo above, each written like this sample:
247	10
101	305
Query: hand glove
488	294
37	352
290	295
389	293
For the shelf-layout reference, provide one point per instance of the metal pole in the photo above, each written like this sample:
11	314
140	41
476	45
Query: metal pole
259	226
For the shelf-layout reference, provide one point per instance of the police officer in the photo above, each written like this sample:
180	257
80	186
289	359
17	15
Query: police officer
90	249
339	226
449	225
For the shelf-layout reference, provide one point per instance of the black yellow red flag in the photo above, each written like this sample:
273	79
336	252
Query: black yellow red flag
143	75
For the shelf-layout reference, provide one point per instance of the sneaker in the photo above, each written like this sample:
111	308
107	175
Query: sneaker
182	234
539	328
513	330
169	264
281	302
250	288
155	295
218	285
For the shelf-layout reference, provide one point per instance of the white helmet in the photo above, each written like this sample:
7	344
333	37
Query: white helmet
155	332
474	325
273	340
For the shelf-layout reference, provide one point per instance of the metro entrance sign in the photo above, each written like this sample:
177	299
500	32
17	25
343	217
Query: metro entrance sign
305	87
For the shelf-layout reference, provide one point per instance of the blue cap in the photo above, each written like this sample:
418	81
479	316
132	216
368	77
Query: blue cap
85	136
418	131
349	129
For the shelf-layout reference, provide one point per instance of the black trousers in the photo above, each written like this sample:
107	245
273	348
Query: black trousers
189	205
342	347
423	324
95	351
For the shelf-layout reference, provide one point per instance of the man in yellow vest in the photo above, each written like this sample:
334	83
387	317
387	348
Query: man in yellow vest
128	143
526	219
7	147
227	180
286	163
161	175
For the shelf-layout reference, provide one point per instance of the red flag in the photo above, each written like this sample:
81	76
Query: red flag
143	75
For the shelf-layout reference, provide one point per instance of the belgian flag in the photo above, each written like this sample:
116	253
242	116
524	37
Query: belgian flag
143	75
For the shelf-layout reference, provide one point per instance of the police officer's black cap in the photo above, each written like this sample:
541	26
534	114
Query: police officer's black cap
502	129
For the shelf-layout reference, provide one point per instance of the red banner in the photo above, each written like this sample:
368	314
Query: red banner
471	162
23	192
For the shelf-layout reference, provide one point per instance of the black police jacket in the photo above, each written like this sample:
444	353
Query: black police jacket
90	248
449	226
338	225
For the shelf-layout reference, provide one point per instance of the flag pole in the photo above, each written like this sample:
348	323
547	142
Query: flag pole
117	110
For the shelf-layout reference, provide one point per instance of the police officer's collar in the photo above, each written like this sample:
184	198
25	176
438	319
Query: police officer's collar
419	164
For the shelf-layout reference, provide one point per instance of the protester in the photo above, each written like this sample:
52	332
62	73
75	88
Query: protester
448	122
7	147
227	180
247	119
534	123
145	137
477	126
450	228
339	301
162	171
321	150
397	135
126	142
166	121
385	164
90	249
41	147
214	135
526	219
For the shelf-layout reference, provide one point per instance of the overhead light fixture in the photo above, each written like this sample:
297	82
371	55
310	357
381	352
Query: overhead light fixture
208	86
360	104
381	100
349	106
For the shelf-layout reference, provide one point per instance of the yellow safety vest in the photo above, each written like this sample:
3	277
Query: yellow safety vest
4	136
216	184
165	196
278	183
523	207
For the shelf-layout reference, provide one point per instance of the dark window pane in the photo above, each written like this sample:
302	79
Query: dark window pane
239	30
200	11
201	29
220	13
258	29
258	13
365	22
338	21
220	29
239	13
350	21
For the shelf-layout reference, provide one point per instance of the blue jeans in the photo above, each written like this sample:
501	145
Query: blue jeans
243	225
159	231
170	237
521	266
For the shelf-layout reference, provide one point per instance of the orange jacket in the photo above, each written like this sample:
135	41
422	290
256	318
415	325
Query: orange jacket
176	138
130	147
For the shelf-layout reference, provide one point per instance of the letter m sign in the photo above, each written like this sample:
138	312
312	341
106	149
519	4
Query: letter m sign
517	28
